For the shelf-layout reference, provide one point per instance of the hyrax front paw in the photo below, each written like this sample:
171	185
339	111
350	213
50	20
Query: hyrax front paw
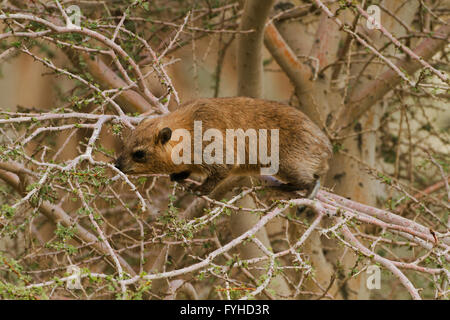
179	176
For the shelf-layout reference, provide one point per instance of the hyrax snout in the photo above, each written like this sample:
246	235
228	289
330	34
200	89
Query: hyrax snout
229	136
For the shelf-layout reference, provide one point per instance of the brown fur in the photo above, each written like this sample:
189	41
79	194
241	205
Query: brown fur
303	148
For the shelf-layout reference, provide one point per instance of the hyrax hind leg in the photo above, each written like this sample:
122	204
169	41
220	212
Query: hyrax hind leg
312	192
297	179
311	188
314	188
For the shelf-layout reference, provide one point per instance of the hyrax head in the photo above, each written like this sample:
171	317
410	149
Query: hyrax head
146	149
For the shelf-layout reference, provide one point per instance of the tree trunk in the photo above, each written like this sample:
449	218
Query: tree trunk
250	76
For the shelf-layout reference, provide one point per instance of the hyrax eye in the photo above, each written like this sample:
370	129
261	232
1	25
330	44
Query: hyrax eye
138	156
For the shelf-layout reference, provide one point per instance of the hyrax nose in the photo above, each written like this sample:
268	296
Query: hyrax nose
119	163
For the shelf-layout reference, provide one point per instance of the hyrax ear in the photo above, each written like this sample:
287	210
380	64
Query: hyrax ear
164	135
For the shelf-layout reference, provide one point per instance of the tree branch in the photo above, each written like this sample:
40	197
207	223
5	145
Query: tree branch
362	99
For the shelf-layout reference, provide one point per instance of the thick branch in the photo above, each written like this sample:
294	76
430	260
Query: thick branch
250	48
299	73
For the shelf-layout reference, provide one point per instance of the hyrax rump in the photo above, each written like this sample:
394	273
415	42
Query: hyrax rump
304	149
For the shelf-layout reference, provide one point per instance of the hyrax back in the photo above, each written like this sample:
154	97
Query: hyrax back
304	149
